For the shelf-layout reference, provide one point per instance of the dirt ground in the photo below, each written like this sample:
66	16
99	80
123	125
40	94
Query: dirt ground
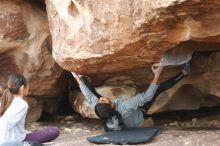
166	138
192	131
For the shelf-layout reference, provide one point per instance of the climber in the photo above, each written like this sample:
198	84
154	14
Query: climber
127	113
13	111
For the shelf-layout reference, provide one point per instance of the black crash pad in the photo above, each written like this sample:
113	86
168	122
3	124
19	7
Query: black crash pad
126	136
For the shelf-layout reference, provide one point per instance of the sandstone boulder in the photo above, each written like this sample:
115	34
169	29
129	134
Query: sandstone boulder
115	42
35	109
25	48
95	37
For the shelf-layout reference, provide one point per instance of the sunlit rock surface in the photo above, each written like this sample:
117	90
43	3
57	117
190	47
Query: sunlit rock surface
25	47
115	43
97	37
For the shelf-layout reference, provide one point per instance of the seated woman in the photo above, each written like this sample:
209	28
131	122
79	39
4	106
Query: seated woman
13	111
126	113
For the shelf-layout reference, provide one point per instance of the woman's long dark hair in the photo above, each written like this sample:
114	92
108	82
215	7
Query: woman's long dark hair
15	81
104	111
119	117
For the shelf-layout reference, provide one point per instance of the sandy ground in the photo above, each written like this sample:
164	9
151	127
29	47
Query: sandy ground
166	138
192	132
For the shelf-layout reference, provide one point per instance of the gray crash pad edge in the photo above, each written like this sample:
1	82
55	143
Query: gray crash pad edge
126	136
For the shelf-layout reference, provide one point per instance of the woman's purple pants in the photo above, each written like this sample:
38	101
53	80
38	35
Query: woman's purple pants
44	135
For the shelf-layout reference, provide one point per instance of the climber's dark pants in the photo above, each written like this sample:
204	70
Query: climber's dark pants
162	87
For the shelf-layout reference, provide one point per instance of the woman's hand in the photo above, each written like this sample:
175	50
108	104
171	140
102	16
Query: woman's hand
75	75
156	68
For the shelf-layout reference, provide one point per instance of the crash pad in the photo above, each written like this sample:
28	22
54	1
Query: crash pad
125	136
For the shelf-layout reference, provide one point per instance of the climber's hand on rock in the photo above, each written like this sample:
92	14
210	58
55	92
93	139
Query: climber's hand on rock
157	68
75	75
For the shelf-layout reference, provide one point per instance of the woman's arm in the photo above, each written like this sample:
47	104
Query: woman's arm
156	68
90	97
141	98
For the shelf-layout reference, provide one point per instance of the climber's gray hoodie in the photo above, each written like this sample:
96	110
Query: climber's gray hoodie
132	115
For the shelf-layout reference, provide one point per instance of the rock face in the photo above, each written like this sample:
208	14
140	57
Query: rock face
115	42
25	48
94	37
35	109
